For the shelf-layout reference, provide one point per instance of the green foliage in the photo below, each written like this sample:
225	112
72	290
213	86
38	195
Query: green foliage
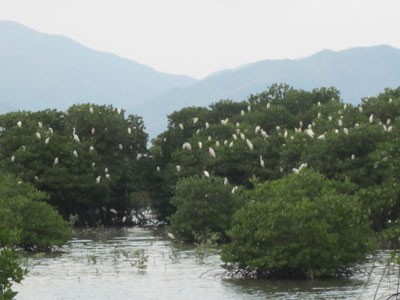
204	208
10	271
86	159
299	226
27	221
287	127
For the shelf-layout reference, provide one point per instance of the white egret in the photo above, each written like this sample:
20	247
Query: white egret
353	156
371	118
50	130
195	120
181	126
262	163
139	156
224	122
200	145
129	130
40	124
76	137
212	152
105	170
346	131
186	146
158	169
207	125
234	189
257	129
112	210
75	153
38	135
12	158
91	110
91	149
19	124
93	130
264	134
234	136
120	147
178	168
242	112
206	173
302	166
309	132
249	144
360	109
47	140
55	162
268	105
98	179
226	181
107	176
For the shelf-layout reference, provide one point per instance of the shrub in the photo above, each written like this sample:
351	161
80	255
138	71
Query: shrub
204	208
39	226
301	226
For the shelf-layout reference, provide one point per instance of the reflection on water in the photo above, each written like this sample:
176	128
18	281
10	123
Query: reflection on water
140	263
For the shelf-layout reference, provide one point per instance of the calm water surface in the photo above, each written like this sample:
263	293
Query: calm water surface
139	263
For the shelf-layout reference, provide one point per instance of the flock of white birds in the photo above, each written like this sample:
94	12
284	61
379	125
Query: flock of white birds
76	139
309	130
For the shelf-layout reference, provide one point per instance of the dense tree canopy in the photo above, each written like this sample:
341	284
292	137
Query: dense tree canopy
87	159
93	163
302	225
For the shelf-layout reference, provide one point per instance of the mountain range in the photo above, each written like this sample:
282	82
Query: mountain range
39	71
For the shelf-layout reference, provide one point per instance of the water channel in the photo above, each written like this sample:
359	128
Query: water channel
137	263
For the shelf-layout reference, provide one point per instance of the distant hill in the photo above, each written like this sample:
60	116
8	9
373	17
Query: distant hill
356	72
39	71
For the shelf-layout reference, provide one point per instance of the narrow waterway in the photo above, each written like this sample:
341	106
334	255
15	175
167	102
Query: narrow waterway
137	263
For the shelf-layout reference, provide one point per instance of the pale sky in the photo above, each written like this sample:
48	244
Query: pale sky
198	37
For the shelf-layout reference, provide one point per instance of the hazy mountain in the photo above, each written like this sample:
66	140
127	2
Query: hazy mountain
40	71
356	72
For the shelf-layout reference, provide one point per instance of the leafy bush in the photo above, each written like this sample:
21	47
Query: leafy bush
34	223
204	208
302	225
10	271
